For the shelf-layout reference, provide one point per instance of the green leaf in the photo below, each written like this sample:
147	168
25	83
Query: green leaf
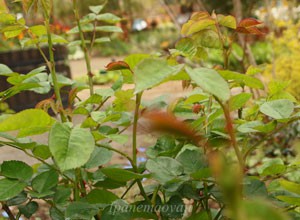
290	200
62	195
191	158
56	214
177	210
260	210
102	40
84	28
272	167
164	169
108	183
5	70
56	39
38	30
119	210
91	17
109	29
26	121
7	19
123	101
10	188
186	47
119	138
109	18
255	188
98	116
13	33
238	101
290	186
192	26
80	210
210	81
100	196
44	182
227	21
165	146
120	174
71	148
132	60
207	39
99	157
151	72
242	79
278	109
249	127
201	174
17	200
253	70
29	209
96	9
16	170
41	151
266	128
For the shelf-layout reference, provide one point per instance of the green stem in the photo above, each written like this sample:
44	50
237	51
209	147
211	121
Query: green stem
153	200
134	129
51	65
128	189
117	151
84	47
134	143
231	133
77	184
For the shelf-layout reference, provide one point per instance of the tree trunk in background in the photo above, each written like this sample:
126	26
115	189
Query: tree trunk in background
238	12
238	9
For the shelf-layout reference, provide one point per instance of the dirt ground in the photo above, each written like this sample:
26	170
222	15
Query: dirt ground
171	90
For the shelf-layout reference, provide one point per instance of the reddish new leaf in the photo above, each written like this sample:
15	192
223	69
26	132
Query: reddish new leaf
166	122
249	26
249	22
46	104
117	65
249	30
72	96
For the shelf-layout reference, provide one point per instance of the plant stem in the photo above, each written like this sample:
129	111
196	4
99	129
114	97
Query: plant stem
8	211
134	129
82	185
84	47
117	151
128	189
51	65
230	130
153	200
134	143
77	184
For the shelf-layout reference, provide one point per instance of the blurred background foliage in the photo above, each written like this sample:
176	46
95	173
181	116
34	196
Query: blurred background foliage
153	26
